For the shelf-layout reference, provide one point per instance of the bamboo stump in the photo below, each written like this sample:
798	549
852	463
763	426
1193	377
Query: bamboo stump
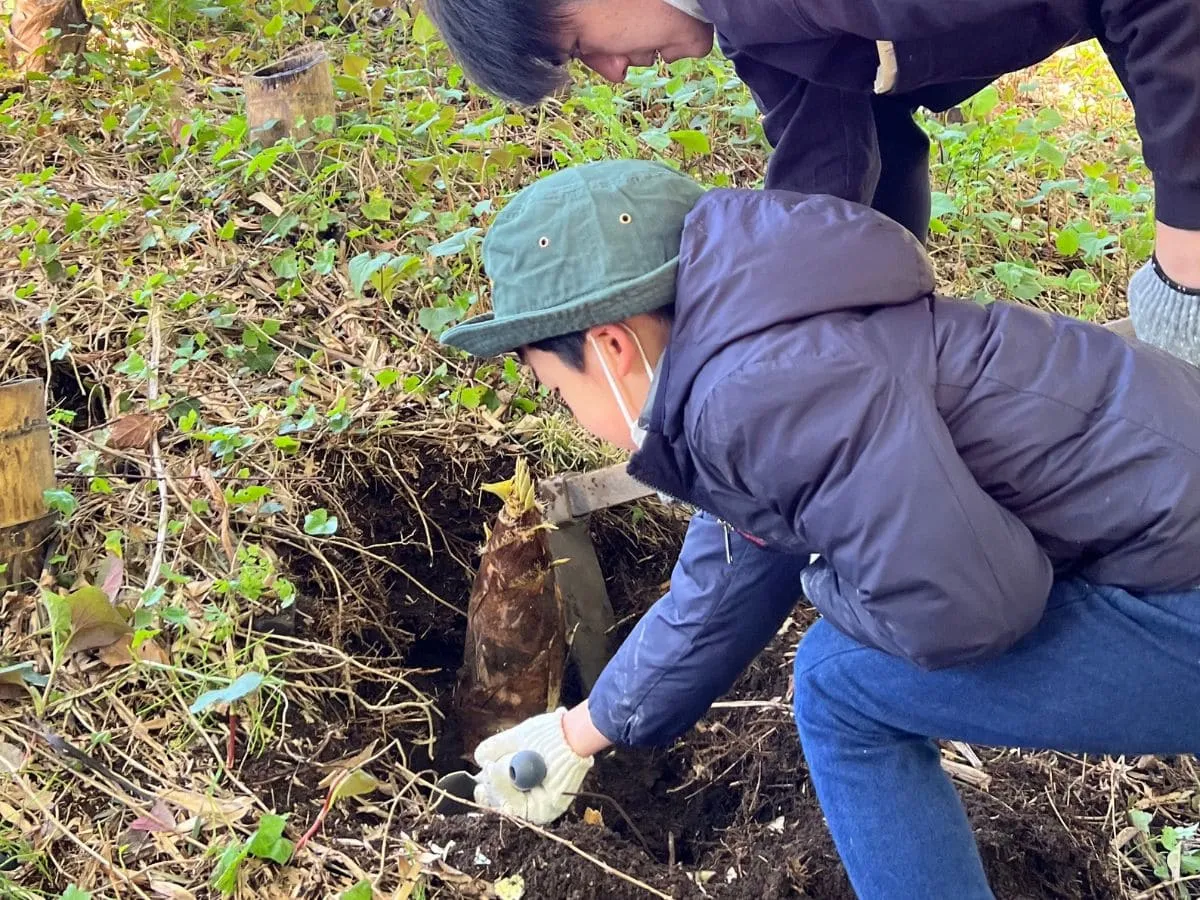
26	471
29	48
516	643
284	98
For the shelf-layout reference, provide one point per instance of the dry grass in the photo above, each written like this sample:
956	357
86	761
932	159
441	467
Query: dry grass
157	266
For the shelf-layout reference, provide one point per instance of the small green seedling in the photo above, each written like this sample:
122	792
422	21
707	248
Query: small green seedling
347	778
84	619
267	843
15	677
320	523
242	687
1174	851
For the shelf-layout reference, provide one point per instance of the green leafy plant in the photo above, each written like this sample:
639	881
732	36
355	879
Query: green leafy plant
61	500
266	843
346	779
320	523
1173	852
240	688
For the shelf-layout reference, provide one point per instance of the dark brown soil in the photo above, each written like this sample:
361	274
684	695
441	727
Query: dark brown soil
731	806
728	812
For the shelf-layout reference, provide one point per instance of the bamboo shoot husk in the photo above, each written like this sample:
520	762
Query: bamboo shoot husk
516	644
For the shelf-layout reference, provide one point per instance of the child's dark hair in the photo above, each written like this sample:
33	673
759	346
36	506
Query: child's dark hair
509	47
570	347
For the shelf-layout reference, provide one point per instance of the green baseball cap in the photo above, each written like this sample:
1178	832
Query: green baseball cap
586	246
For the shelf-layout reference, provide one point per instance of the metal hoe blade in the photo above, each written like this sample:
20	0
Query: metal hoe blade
570	499
451	790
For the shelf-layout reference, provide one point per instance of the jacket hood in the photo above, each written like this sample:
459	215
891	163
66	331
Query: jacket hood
752	260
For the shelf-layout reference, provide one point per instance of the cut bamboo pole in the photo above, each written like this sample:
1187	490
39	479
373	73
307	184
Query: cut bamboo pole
284	98
26	472
29	48
516	646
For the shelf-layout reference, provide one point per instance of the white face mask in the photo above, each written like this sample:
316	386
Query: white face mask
636	433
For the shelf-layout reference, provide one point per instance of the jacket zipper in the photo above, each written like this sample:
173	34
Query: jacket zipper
725	526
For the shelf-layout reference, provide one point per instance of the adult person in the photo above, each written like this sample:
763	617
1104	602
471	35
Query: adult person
838	81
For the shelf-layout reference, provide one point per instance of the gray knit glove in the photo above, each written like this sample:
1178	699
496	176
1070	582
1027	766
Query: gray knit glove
1165	314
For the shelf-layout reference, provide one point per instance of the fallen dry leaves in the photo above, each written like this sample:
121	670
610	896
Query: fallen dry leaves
120	652
225	810
135	431
159	819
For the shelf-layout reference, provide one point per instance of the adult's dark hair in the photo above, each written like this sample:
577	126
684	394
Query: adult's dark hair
509	47
570	347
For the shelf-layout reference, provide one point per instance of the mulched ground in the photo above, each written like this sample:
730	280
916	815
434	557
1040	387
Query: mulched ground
731	807
729	811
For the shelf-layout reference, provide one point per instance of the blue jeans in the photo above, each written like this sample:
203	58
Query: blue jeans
1104	672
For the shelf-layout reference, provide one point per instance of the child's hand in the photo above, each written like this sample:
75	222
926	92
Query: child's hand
565	770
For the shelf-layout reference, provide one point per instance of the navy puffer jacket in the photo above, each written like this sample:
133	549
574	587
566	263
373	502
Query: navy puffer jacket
945	459
837	80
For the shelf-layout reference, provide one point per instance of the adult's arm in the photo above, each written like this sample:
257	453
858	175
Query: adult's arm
861	147
1154	46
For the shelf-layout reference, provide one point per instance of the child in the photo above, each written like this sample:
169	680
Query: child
1005	503
838	81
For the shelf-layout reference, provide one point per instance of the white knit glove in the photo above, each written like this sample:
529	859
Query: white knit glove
565	770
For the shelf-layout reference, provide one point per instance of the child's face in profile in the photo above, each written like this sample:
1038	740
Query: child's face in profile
585	393
588	393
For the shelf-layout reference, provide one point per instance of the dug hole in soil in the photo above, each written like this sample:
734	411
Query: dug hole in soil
728	811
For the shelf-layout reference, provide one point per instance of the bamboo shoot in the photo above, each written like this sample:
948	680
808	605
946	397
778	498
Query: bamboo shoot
516	644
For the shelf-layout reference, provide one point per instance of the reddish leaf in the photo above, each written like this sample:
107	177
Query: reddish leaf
112	576
160	819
